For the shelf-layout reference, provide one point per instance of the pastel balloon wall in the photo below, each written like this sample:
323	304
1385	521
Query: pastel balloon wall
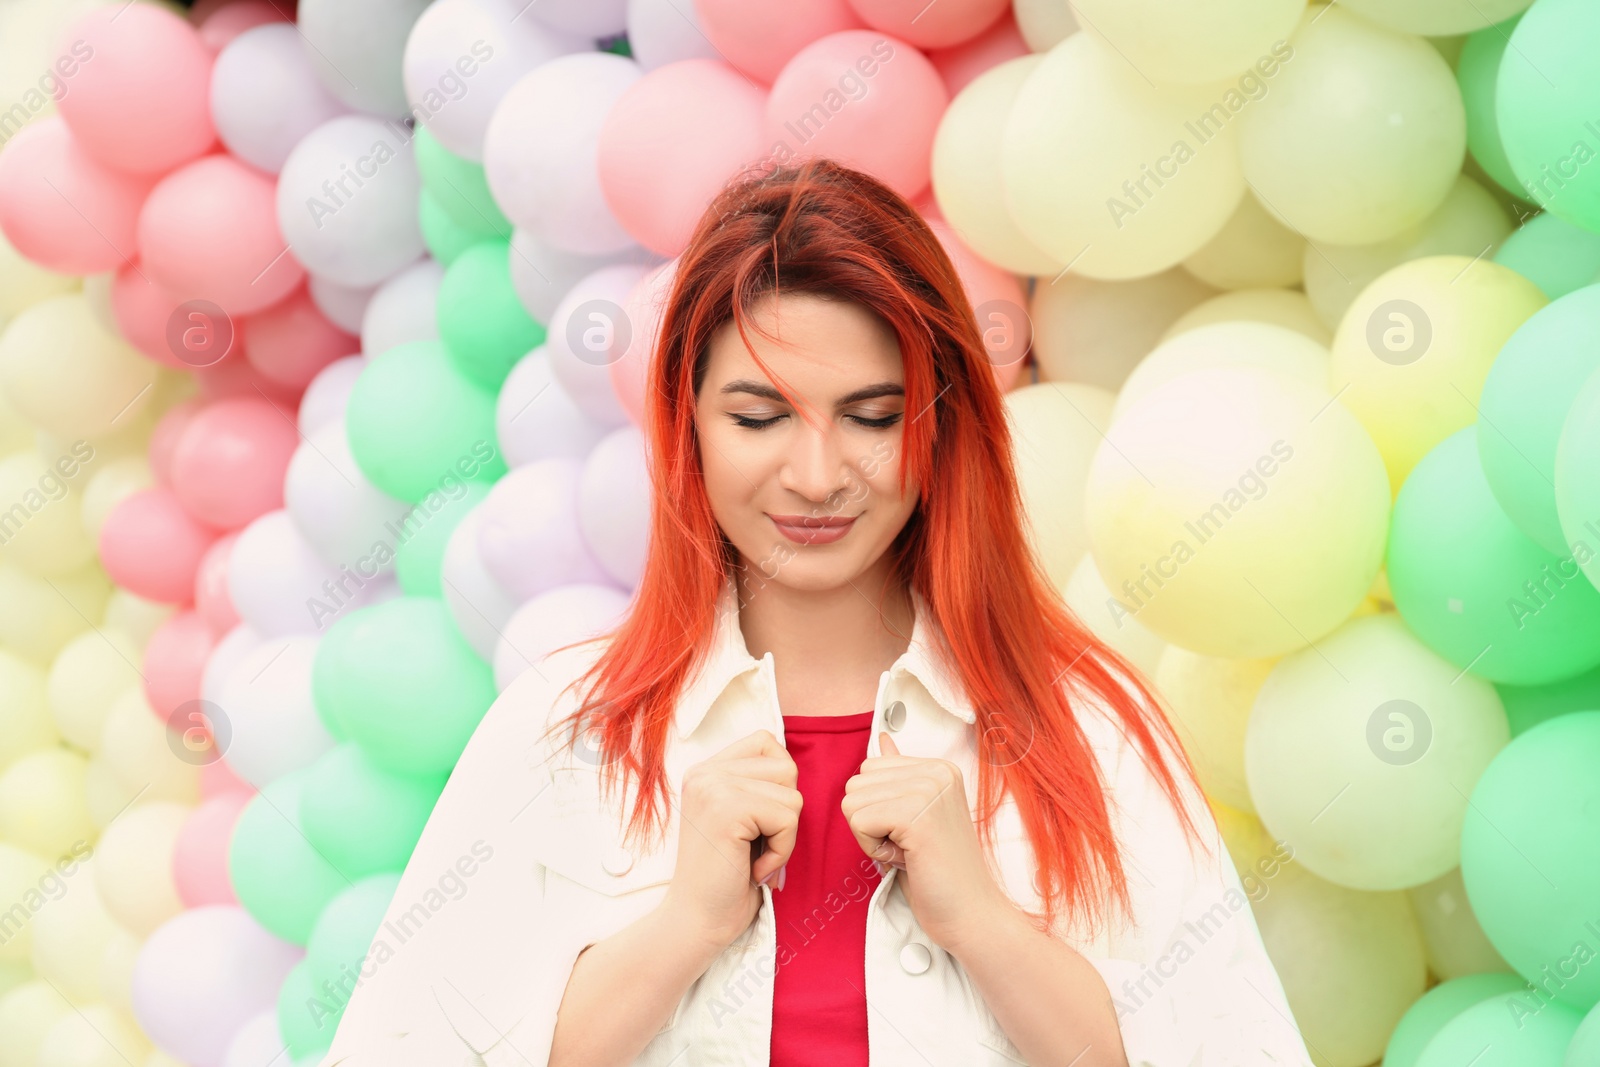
323	338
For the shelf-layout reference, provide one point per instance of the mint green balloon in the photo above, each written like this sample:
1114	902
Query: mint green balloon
459	187
413	422
363	818
1529	859
405	684
445	238
279	878
426	530
1553	254
1504	1030
338	951
1585	1048
1529	705
481	322
1476	589
1547	108
1577	487
1527	395
1431	1011
1476	73
305	1021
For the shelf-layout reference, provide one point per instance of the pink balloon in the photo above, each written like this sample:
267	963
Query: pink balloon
210	231
200	858
212	600
229	464
759	38
642	310
141	100
999	302
164	438
220	28
217	778
151	546
174	659
145	312
235	377
964	62
928	25
670	143
293	340
61	207
867	100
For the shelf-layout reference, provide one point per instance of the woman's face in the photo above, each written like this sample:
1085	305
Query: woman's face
809	506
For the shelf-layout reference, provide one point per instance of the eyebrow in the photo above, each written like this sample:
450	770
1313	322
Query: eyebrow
768	392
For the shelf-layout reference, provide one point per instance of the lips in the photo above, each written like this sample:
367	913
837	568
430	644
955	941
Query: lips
812	530
812	521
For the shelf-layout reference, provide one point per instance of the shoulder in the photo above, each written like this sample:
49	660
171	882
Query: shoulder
537	699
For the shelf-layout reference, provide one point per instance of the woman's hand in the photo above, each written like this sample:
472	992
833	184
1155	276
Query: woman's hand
920	806
746	791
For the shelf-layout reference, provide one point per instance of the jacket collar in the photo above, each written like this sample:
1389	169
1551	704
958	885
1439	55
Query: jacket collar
729	659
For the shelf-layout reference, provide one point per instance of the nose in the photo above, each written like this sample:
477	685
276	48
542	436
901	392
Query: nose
815	467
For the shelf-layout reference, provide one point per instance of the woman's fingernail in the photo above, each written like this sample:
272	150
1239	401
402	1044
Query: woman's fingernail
782	872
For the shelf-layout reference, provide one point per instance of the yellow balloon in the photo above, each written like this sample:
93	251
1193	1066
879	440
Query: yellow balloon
1177	41
1354	165
1055	428
116	970
1239	513
1253	250
104	792
1470	222
70	936
1210	698
1091	331
1455	942
26	1014
21	897
1410	357
1114	176
135	616
16	432
42	804
1044	23
41	529
1086	594
37	618
966	170
65	373
25	722
1280	307
1437	18
109	486
133	865
143	753
97	1036
92	671
1246	345
24	283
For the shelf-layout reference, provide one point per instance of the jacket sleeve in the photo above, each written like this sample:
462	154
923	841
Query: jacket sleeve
1191	980
467	967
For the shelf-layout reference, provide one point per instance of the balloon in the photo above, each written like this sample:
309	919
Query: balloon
43	808
226	25
25	724
200	855
761	41
61	207
403	309
150	757
1477	72
1252	250
43	529
325	398
280	879
347	197
614	495
413	420
1091	331
293	340
630	375
1055	430
342	305
444	238
540	150
1178	43
1424	1019
404	685
1516	1028
1276	307
109	486
228	466
257	1043
426	533
961	64
1577	502
234	646
174	660
662	32
345	517
1552	253
152	545
482	324
669	144
265	701
356	48
28	1012
341	945
565	614
479	605
459	187
363	818
1244	345
1474	588
212	601
86	676
527	531
589	331
306	1016
133	865
1456	943
23	283
1353	170
265	96
65	374
543	274
280	585
997	298
202	975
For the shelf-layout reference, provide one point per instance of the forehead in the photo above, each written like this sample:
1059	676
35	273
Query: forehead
813	338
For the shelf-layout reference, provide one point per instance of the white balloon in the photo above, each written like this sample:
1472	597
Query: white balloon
347	200
464	55
235	645
553	619
589	332
592	18
280	585
272	722
403	309
541	151
342	305
329	392
356	46
265	96
528	536
338	510
535	419
614	504
665	31
480	606
256	1044
542	274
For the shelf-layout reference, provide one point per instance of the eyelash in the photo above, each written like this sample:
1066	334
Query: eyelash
761	424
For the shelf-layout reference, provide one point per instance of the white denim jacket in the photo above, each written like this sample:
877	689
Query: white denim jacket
521	867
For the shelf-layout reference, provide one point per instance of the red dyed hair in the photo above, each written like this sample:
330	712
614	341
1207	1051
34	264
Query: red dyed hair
819	227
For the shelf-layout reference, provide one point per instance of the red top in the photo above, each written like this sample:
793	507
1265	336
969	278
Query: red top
819	1001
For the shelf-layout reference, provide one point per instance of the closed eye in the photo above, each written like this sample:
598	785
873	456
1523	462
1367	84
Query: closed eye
883	423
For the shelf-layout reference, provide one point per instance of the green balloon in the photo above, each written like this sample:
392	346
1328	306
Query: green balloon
305	1023
1585	1047
1547	108
279	878
414	423
406	685
1476	73
363	818
459	187
1529	705
481	322
337	953
1504	1030
1577	488
1526	398
1431	1011
446	240
1476	589
1528	856
426	530
1552	253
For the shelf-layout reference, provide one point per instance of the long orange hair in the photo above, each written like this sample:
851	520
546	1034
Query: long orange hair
820	227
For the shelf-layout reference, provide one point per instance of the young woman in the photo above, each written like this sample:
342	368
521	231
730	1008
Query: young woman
849	784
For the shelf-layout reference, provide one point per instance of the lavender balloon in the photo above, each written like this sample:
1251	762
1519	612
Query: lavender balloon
553	619
528	534
614	504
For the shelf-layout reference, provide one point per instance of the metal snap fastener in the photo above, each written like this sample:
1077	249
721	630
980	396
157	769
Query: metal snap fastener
915	958
618	862
894	716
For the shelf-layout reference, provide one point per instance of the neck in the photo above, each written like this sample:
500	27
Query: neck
854	629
